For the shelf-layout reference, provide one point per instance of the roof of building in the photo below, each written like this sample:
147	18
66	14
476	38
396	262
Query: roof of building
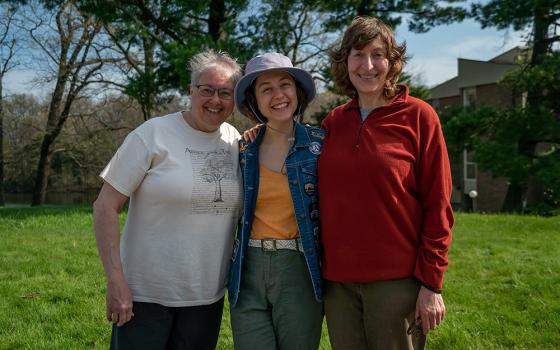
448	88
474	73
516	55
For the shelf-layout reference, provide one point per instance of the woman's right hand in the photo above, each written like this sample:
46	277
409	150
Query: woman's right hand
251	134
119	302
430	310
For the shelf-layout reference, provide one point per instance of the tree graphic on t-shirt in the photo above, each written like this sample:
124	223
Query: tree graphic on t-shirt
213	171
213	168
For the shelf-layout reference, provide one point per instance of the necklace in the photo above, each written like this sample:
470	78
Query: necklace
291	141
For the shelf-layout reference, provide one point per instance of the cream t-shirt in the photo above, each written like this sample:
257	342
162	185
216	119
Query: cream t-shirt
185	199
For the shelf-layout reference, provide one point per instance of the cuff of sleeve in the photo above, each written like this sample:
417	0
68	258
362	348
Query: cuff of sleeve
433	289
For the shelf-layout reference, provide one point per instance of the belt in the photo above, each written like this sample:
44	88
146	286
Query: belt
272	245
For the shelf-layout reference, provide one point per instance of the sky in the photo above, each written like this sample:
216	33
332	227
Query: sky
433	55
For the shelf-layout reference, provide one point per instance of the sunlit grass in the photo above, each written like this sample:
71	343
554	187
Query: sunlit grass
501	290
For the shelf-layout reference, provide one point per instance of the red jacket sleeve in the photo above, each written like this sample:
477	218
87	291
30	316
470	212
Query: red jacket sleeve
434	179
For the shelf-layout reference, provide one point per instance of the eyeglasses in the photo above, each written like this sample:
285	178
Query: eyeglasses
209	91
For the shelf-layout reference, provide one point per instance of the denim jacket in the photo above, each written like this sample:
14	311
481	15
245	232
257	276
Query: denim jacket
301	168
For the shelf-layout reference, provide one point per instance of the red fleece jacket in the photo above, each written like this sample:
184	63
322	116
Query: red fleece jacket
385	189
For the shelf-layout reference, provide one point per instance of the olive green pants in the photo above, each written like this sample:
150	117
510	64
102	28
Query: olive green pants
276	308
374	315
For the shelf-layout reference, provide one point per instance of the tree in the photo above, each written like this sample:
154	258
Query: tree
138	67
295	29
415	85
24	117
158	38
420	15
8	43
138	41
69	43
533	129
301	29
213	172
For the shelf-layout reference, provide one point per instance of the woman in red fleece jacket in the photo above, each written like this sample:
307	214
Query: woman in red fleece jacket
384	189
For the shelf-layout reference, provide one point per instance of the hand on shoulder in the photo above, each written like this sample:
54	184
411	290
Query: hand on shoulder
251	134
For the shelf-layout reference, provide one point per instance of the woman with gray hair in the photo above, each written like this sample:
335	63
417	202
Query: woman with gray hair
166	277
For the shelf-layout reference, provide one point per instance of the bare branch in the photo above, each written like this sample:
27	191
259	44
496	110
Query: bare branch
133	62
41	43
8	43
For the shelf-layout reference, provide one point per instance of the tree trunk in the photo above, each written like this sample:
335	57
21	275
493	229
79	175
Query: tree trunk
533	193
517	191
42	173
535	190
2	200
363	8
54	126
52	131
148	101
467	204
513	203
216	19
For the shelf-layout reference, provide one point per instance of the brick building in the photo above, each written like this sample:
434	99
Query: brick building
477	84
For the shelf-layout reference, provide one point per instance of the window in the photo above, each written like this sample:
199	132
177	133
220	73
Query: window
469	165
469	173
469	96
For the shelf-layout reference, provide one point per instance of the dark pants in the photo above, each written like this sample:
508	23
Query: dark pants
159	327
373	315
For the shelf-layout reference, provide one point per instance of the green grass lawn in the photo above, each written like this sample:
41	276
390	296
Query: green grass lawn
502	290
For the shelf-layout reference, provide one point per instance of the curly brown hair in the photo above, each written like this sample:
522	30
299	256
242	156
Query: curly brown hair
250	107
361	32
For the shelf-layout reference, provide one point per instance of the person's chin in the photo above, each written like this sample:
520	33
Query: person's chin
369	89
215	121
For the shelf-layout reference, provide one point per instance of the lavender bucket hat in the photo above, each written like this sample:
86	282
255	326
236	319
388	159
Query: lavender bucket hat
268	62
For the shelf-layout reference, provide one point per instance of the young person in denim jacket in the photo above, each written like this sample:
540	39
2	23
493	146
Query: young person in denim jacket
275	286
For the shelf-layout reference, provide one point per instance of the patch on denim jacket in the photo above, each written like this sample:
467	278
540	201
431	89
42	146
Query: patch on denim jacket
315	147
318	134
309	188
314	211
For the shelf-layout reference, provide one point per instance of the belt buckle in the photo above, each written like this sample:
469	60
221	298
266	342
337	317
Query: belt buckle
268	245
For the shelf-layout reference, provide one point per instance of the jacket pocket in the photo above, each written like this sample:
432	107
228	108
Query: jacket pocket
309	171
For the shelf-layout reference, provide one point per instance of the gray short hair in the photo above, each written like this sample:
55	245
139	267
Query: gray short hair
210	59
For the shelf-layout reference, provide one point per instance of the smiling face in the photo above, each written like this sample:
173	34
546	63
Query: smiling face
276	96
368	68
208	113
